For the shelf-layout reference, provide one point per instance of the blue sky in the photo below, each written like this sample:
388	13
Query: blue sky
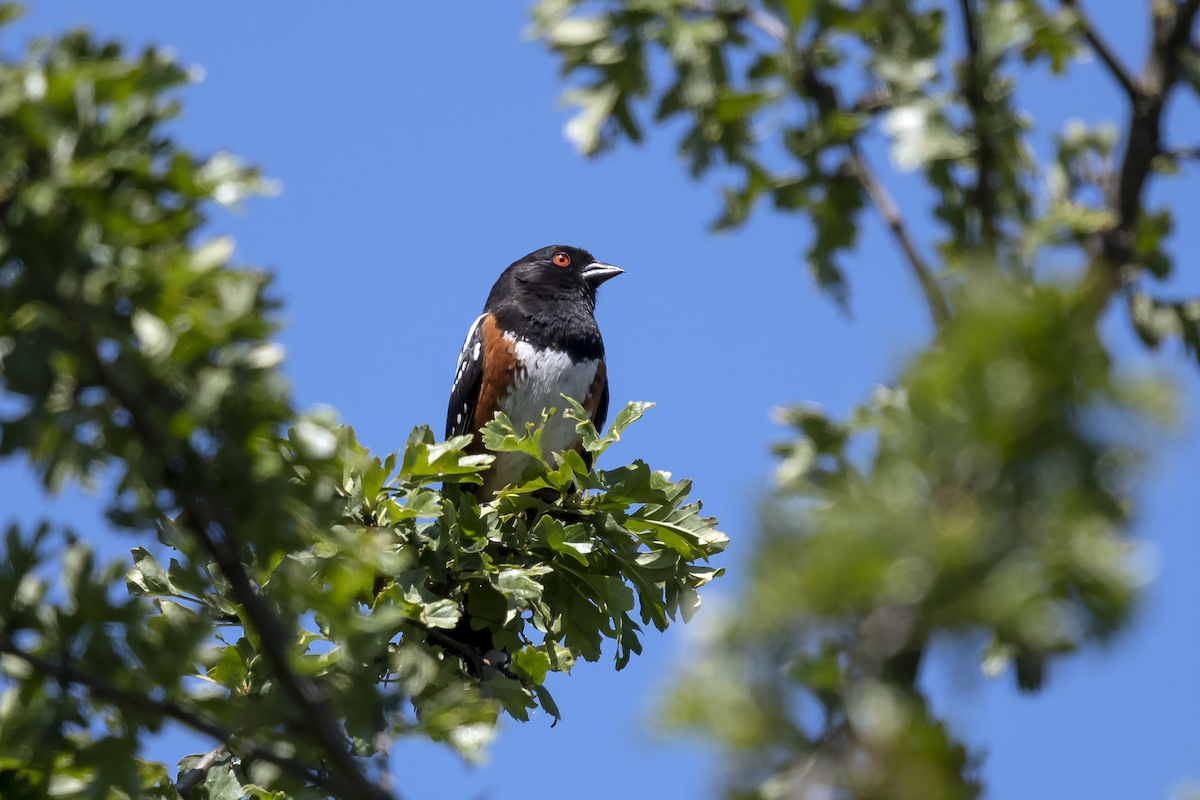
419	150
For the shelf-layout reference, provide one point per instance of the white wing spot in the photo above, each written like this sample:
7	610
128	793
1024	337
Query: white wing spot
460	419
475	354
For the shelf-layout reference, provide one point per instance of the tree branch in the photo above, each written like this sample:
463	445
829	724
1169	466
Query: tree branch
938	307
985	158
826	98
1122	75
194	776
887	208
1142	143
1187	13
303	693
139	703
273	641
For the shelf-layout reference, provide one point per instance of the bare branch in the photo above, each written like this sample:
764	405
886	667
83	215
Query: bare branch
1106	54
985	158
139	703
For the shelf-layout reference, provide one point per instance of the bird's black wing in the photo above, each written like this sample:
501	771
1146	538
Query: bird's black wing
468	377
601	415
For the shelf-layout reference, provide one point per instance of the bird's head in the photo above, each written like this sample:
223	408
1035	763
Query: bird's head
560	271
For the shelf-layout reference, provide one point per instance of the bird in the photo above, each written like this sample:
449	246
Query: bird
536	340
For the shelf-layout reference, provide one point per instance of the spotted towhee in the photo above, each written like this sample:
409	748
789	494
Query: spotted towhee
535	341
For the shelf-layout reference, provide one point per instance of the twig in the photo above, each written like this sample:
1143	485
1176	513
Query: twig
470	652
826	99
985	159
193	777
938	307
1187	13
872	103
1185	153
479	660
1118	70
1143	143
138	703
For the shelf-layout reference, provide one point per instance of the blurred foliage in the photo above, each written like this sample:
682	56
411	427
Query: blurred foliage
308	602
988	493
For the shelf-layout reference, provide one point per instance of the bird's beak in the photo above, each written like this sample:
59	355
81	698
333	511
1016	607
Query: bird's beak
598	272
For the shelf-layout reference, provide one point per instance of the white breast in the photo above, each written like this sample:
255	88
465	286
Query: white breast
541	376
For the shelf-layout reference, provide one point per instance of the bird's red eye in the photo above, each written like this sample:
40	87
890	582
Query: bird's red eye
562	259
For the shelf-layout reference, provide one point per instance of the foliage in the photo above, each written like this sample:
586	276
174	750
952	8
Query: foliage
317	601
988	493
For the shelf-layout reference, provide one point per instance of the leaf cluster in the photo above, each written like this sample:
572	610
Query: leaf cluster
986	496
763	87
305	602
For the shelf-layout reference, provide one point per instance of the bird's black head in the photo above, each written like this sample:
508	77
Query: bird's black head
558	272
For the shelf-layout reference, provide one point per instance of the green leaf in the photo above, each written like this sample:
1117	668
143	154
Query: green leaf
532	662
186	580
231	669
222	783
547	703
574	540
499	436
615	597
521	583
1152	229
423	459
414	669
441	614
731	106
516	699
10	12
147	578
1189	61
592	441
798	10
627	485
582	624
